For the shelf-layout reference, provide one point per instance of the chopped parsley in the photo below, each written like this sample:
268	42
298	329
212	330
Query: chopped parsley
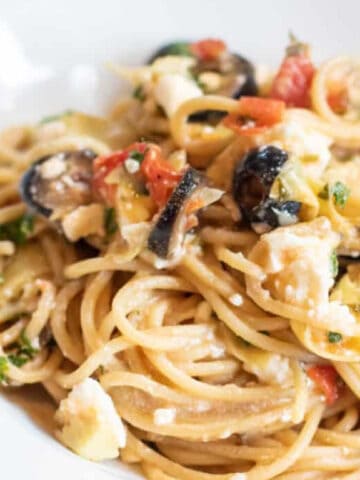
135	155
334	337
334	264
24	352
25	346
179	48
3	368
138	93
54	118
338	191
18	360
19	230
110	222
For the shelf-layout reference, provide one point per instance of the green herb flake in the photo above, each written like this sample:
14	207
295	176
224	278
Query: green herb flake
19	230
339	192
54	118
4	366
334	337
24	352
334	264
18	360
110	223
180	48
139	93
135	155
25	346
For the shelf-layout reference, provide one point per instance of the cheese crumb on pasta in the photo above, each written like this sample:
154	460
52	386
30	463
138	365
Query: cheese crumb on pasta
90	424
83	221
172	90
269	368
297	263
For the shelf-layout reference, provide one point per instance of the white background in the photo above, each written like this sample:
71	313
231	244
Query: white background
66	43
52	56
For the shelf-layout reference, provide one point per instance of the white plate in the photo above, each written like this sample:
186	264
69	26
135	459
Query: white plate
52	56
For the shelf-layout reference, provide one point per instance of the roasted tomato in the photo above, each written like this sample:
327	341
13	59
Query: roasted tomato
104	164
208	49
327	380
161	178
293	81
255	115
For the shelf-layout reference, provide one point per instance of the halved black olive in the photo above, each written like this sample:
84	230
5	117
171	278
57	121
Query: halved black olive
238	74
238	71
59	181
273	213
168	232
253	178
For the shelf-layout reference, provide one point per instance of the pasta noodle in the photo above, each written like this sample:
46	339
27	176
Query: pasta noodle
199	325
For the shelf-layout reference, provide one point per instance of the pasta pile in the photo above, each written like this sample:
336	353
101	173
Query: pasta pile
237	356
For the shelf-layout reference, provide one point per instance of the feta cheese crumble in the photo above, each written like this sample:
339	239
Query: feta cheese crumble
164	416
91	427
236	299
172	90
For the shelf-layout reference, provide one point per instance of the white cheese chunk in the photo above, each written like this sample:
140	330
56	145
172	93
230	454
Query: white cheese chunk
164	416
268	367
297	263
131	165
236	299
83	221
53	167
239	476
296	260
172	90
91	426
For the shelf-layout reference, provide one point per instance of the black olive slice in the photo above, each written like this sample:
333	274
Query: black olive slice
168	232
59	181
253	178
272	213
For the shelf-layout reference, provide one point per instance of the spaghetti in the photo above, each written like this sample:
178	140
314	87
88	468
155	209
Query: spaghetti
170	274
